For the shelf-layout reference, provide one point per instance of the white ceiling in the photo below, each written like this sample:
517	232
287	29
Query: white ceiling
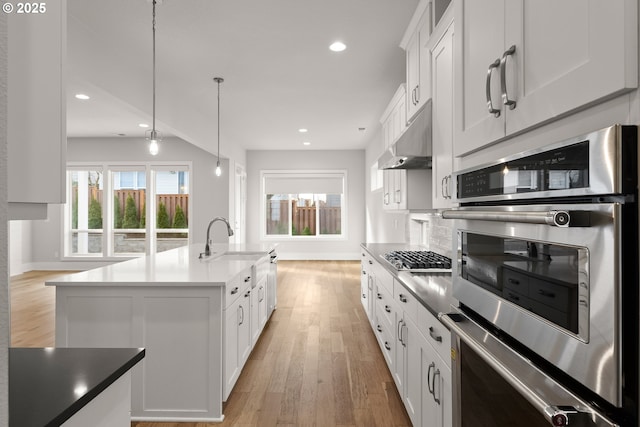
273	54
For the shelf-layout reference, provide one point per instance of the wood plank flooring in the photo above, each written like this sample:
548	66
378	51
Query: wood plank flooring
317	362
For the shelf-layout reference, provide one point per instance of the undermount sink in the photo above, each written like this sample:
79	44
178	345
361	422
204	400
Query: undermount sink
236	256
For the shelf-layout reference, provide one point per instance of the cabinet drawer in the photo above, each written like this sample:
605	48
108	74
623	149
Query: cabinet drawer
553	295
237	286
515	281
386	340
405	301
435	333
385	306
384	278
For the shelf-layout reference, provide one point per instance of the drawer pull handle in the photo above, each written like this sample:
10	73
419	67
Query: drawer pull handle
379	328
246	279
513	297
379	295
402	298
234	291
387	309
432	334
546	293
370	262
514	281
248	293
387	346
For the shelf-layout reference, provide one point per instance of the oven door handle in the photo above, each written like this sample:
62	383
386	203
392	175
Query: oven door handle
536	387
553	217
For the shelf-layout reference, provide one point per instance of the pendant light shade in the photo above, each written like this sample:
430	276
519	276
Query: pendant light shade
218	80
153	136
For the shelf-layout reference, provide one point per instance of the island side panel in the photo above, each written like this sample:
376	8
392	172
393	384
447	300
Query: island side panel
181	329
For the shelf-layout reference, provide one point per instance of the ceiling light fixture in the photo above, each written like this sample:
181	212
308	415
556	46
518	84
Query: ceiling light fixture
82	96
218	80
143	125
153	135
306	143
303	130
338	46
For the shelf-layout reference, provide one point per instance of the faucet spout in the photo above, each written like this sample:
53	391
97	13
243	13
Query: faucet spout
207	250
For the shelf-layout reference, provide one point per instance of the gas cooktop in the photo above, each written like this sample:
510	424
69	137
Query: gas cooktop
418	261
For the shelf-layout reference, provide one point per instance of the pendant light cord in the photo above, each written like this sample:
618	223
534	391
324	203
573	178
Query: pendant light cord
153	29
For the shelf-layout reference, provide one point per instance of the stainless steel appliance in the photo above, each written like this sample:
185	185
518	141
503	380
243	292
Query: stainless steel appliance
547	276
418	261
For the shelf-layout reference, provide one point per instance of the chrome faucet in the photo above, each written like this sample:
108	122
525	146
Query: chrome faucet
207	251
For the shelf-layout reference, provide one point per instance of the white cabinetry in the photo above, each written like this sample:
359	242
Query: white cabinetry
521	59
418	59
237	330
367	283
36	114
442	60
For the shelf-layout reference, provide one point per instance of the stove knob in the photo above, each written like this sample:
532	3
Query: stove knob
559	420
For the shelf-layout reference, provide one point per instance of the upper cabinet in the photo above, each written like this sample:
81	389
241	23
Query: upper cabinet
394	118
36	98
443	161
521	63
418	59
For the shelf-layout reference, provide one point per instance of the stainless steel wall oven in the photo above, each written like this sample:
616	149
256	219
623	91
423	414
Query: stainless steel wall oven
547	282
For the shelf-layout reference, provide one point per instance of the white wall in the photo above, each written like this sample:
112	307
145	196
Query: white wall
350	160
210	194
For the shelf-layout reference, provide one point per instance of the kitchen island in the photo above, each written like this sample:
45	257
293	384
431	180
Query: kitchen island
192	315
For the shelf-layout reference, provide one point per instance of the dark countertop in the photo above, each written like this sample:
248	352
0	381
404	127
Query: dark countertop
43	382
433	290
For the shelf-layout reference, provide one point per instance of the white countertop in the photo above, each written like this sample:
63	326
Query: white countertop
176	267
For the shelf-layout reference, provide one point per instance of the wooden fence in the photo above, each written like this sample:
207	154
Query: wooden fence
303	219
170	201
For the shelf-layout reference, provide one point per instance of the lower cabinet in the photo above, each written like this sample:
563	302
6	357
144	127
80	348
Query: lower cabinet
415	345
237	340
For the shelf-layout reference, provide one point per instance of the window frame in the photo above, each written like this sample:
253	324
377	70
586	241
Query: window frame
295	174
107	169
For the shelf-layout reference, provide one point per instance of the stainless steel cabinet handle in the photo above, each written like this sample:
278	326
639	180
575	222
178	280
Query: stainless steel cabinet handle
387	309
433	386
246	279
241	311
234	291
448	186
379	328
432	365
442	190
400	331
492	66
379	295
387	346
432	334
503	77
417	89
402	298
370	262
399	198
386	198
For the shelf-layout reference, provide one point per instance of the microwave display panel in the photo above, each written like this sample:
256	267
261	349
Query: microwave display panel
560	169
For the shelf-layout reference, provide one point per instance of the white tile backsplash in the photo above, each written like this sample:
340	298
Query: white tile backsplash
431	231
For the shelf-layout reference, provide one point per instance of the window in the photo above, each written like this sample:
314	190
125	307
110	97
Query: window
110	206
303	204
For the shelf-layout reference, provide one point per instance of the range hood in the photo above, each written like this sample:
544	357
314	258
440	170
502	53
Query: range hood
413	149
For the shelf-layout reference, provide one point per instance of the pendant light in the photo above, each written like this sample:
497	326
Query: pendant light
153	136
218	80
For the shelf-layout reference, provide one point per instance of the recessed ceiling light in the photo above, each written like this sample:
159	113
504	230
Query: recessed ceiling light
143	125
82	96
303	130
306	143
338	46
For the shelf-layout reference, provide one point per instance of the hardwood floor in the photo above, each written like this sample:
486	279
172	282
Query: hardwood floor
317	362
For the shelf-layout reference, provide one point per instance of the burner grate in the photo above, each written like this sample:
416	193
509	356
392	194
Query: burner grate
418	261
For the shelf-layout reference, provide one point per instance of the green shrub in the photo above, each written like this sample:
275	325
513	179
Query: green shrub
95	214
74	210
162	221
130	214
117	214
179	220
143	216
306	231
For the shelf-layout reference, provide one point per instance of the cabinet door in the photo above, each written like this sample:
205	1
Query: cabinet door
244	327
443	120
479	42
418	66
557	68
36	99
231	349
414	343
